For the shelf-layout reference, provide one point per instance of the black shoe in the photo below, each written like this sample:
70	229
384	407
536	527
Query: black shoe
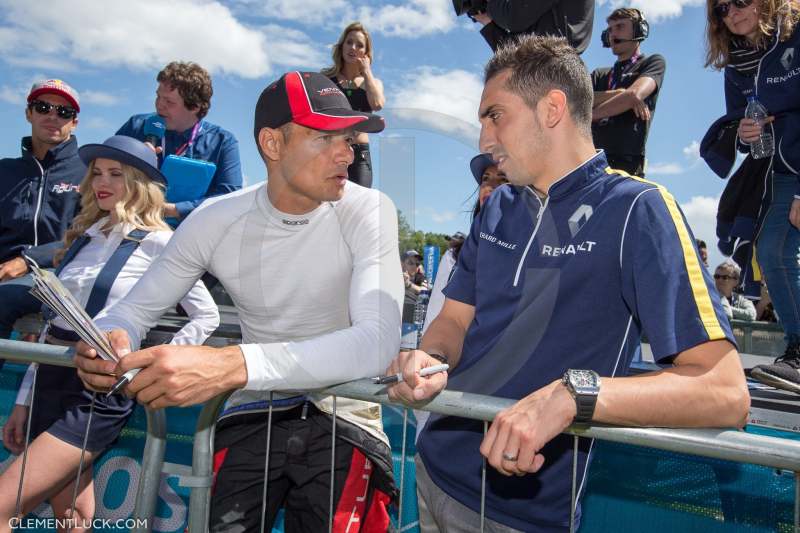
784	373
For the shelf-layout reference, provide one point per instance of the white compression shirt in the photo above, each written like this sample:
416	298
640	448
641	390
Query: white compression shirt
318	295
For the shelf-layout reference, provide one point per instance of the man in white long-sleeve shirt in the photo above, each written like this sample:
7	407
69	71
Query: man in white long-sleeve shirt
310	261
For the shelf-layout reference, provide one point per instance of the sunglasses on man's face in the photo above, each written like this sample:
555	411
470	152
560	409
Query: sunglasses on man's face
724	277
722	9
44	108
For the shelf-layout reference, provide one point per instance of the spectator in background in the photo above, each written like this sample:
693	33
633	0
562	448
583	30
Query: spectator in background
505	20
625	95
702	249
38	194
765	311
183	98
352	72
415	282
726	279
758	45
117	235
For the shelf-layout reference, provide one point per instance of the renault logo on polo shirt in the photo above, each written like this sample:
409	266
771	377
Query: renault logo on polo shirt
787	58
580	217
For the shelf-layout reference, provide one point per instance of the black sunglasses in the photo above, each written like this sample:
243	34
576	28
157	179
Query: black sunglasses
721	10
724	277
44	108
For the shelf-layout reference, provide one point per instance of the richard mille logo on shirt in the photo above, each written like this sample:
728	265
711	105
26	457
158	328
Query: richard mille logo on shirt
295	222
494	240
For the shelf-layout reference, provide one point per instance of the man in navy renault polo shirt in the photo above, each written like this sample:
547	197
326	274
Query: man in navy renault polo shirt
563	271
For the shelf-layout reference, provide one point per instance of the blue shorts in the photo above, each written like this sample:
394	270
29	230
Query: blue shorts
61	407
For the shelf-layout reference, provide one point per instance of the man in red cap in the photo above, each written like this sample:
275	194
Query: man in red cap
38	194
310	261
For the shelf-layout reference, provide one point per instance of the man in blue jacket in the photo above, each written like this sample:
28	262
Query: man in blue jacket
38	194
183	99
564	269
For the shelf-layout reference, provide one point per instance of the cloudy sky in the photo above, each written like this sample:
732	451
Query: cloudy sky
429	60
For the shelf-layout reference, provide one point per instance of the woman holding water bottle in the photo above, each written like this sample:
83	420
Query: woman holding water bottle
757	44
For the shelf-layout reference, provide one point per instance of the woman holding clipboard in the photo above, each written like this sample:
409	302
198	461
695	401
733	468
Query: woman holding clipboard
111	243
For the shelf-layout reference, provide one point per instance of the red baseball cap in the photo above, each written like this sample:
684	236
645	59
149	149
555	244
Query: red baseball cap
55	87
312	100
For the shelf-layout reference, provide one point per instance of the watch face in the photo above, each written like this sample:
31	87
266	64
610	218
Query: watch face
583	378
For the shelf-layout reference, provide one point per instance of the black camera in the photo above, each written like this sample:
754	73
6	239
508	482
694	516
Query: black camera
469	7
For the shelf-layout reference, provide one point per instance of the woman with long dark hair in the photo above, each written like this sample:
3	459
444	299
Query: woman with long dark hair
352	72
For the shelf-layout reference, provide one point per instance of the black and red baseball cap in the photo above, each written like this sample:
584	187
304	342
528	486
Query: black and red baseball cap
312	100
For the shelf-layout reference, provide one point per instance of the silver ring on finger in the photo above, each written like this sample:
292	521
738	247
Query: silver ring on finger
509	457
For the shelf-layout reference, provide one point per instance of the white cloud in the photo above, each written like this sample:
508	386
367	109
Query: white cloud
99	98
692	152
412	18
293	48
655	10
12	95
138	35
313	12
442	101
664	169
701	213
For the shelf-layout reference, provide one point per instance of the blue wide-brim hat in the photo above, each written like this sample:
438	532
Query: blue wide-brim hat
126	150
479	164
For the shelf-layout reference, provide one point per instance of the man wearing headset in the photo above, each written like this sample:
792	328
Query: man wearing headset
625	94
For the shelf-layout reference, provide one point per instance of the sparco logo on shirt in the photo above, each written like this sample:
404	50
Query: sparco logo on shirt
295	222
569	249
60	188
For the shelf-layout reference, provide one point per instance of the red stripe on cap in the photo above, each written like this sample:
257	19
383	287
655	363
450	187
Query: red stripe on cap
296	91
304	114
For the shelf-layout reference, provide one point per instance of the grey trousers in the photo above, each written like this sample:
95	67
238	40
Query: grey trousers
439	513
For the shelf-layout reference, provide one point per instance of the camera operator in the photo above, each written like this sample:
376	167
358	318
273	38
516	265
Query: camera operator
504	20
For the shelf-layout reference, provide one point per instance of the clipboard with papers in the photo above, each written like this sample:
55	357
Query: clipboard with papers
49	290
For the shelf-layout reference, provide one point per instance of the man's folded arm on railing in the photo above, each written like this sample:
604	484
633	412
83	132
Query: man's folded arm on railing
704	388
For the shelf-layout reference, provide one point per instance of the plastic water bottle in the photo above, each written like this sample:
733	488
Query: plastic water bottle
420	310
764	146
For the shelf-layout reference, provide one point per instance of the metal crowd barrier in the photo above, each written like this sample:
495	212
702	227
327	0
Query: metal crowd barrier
755	337
723	444
155	442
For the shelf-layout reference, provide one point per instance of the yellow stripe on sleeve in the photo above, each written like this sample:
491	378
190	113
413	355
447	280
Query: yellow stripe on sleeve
702	298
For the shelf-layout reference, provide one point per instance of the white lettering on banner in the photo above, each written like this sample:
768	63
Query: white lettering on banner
783	79
569	249
494	240
115	466
177	515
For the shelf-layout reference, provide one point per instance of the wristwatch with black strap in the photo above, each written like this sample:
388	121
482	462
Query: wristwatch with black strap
584	385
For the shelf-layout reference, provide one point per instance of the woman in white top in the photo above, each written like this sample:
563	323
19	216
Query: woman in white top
119	232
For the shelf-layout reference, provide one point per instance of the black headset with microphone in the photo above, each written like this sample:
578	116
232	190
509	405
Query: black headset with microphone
641	29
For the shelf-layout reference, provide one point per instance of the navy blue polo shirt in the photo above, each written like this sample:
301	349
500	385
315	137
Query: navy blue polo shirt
569	281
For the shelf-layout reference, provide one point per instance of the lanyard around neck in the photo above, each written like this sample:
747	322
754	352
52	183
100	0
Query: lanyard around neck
626	66
188	144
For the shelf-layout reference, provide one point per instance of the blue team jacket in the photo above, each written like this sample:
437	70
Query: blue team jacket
38	200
